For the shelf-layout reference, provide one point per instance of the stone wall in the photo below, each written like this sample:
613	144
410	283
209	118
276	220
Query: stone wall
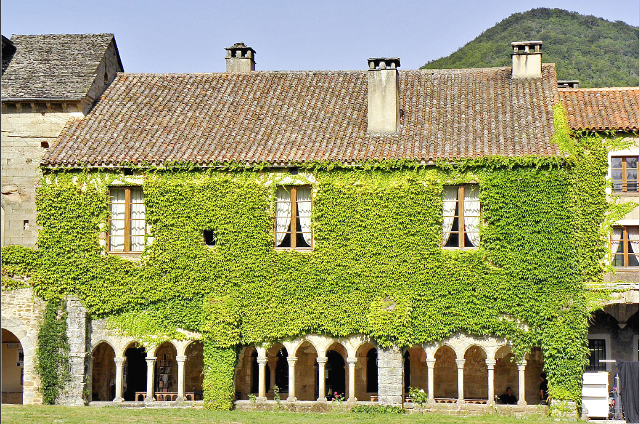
78	334
22	314
390	376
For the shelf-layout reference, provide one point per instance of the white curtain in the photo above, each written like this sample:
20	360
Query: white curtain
304	212
116	230
472	214
283	213
633	239
615	241
449	198
137	220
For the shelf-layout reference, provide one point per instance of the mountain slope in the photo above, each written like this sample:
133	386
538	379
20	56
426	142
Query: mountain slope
593	50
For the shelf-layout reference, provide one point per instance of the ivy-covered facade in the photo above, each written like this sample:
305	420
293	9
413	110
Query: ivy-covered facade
318	235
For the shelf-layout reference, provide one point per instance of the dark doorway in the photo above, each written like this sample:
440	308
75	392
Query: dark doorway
407	371
372	371
282	371
255	372
335	375
135	372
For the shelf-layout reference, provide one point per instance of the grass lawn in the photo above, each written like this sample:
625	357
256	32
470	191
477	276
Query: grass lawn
19	414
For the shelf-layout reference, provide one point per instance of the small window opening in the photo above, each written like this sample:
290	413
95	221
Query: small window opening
293	170
44	144
127	171
25	224
209	237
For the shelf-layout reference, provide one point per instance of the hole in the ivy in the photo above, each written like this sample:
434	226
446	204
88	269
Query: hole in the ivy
209	237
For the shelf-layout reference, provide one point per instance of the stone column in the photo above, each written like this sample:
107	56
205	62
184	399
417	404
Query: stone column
322	390
78	334
262	390
491	363
431	365
460	364
120	360
521	367
151	362
352	379
390	389
292	378
181	360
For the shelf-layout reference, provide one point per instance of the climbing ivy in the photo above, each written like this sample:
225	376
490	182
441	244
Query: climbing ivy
53	351
377	266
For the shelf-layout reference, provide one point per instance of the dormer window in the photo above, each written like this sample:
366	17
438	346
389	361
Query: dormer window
461	216
293	217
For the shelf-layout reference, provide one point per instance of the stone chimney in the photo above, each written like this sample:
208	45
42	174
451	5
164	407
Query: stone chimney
383	114
526	59
240	58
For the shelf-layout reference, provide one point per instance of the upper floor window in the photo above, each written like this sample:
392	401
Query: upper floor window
293	217
624	246
624	172
127	225
461	216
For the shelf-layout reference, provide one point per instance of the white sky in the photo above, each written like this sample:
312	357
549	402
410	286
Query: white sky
190	36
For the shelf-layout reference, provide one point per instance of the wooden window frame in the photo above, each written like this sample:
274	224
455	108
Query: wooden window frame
127	220
460	206
624	181
293	235
626	253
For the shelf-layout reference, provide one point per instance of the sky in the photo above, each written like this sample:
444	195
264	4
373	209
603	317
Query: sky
169	36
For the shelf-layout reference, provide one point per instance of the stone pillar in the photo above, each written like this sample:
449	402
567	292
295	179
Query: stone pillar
352	379
431	365
460	364
390	388
119	360
292	378
181	360
262	391
491	363
78	334
151	362
322	390
521	367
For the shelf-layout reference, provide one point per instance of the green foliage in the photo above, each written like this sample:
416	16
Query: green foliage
53	351
593	50
418	396
377	267
377	409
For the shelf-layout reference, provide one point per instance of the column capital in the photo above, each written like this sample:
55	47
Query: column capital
262	361
292	360
321	360
431	362
150	358
522	364
181	358
120	360
352	361
490	363
460	363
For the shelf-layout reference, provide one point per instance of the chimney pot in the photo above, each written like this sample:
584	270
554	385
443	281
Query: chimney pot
240	58
526	59
383	111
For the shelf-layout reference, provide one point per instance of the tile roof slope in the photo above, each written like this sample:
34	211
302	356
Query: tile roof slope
54	65
285	117
602	108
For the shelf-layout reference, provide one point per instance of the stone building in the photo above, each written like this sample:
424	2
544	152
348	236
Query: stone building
278	124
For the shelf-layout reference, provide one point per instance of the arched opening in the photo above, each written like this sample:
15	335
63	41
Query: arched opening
445	374
277	371
475	374
103	373
12	368
366	372
135	372
306	372
335	381
418	371
166	375
506	372
406	367
535	367
246	377
194	369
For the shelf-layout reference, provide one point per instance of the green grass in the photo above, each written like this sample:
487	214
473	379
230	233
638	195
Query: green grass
107	415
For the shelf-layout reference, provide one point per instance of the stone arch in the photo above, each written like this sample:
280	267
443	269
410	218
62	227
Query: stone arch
111	344
336	372
28	342
306	370
506	371
166	368
194	368
366	371
103	372
135	370
475	373
535	367
445	373
245	372
12	368
418	371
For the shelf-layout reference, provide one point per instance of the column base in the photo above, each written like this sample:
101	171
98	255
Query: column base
149	399
261	399
118	399
322	399
291	399
352	399
460	401
522	402
179	399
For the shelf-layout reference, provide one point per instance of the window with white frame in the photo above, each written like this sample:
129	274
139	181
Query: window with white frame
461	216
625	244
127	224
293	217
624	172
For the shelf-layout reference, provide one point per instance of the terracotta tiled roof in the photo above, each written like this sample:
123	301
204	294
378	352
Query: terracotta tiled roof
53	65
285	117
601	108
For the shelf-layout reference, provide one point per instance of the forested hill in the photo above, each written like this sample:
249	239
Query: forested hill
593	50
